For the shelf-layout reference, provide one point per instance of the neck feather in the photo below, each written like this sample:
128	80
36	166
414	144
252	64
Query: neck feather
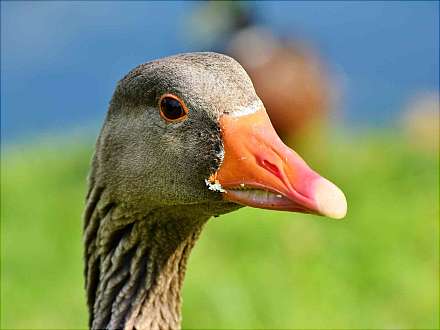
135	264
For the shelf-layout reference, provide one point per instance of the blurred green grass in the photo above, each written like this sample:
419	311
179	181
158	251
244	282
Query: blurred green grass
378	268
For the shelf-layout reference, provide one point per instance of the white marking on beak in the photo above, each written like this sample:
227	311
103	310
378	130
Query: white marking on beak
216	186
247	110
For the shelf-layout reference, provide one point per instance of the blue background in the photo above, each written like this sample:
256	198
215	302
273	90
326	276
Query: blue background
60	60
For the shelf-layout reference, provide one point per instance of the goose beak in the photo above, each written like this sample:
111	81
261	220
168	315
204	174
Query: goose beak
259	170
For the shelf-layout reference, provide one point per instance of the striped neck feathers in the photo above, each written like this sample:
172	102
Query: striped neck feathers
135	263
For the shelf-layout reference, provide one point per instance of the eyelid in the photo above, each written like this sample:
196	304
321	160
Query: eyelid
182	104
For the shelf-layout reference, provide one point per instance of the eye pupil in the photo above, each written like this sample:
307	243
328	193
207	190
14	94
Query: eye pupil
171	108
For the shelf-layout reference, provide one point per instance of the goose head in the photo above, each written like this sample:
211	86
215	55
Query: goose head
189	130
185	138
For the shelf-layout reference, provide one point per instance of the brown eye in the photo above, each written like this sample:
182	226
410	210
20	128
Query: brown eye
172	109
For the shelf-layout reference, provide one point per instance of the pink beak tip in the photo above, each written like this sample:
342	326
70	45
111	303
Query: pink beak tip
330	200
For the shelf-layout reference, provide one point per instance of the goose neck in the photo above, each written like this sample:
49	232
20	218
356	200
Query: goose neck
135	266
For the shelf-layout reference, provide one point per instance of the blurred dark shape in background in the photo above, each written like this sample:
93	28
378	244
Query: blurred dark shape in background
287	74
420	121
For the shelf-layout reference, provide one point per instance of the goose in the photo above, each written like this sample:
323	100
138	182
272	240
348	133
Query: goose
185	138
288	76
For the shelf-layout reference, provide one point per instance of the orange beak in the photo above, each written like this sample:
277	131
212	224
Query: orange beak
259	170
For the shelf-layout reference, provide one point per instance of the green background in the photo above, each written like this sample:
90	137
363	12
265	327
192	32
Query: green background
377	268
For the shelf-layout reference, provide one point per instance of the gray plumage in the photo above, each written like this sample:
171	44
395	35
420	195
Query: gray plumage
147	199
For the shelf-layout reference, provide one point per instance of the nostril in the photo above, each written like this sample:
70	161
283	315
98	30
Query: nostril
271	167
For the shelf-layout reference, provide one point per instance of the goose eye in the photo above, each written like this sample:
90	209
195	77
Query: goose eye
172	109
